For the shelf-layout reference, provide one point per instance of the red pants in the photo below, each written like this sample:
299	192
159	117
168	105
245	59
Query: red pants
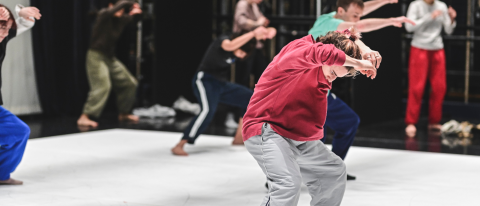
426	64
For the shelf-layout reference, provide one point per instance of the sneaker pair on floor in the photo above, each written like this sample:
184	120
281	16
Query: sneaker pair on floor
154	111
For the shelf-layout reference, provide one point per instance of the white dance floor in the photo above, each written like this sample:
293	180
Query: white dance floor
135	168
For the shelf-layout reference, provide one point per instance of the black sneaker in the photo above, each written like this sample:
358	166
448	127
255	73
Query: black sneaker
349	177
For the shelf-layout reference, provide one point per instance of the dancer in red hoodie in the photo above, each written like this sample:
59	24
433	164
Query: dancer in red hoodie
287	113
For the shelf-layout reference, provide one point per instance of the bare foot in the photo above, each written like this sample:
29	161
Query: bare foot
11	182
128	117
435	127
84	121
178	149
411	130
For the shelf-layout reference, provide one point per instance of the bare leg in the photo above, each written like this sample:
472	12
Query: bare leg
238	140
84	121
178	149
128	117
411	130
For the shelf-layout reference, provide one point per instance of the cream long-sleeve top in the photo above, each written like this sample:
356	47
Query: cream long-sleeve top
427	33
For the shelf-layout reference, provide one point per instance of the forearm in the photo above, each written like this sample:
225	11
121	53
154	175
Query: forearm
352	62
246	24
232	45
363	48
368	25
371	6
22	23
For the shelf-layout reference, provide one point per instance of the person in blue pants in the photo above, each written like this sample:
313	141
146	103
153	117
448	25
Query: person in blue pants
13	132
340	117
344	121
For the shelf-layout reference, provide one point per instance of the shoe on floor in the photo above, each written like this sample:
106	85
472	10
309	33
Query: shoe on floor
350	177
184	105
11	182
230	121
154	111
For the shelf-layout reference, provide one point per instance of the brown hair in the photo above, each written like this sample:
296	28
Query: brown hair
346	3
345	41
12	18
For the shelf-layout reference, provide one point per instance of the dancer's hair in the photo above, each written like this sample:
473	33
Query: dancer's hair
345	41
12	18
346	3
248	47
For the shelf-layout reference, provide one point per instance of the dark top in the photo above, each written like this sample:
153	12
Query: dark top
3	48
108	28
217	61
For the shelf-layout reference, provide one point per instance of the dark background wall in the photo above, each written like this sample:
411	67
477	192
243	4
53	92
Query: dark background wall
182	34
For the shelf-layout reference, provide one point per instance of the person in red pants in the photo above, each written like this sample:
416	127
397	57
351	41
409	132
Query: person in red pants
427	59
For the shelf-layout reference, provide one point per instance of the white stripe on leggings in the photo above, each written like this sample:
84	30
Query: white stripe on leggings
205	107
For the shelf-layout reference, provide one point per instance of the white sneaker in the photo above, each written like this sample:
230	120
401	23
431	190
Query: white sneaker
230	121
154	111
184	105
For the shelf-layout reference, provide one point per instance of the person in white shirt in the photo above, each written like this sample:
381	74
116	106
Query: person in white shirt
427	59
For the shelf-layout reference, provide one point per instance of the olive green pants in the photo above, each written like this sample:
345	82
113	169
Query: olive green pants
104	74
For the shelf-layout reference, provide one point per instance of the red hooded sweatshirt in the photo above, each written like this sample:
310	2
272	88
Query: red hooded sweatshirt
291	94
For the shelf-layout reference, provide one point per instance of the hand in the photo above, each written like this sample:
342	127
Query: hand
260	33
28	12
366	67
397	22
374	57
261	21
267	22
271	32
4	14
135	10
452	13
436	13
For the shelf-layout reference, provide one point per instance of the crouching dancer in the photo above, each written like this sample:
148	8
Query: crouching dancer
286	116
211	86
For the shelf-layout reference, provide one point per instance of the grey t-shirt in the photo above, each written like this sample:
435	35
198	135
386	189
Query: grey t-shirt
427	31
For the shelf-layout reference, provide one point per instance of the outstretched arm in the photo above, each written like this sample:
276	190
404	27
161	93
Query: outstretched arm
234	44
373	5
368	25
26	17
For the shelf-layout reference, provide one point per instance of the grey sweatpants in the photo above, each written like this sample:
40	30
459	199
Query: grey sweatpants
287	162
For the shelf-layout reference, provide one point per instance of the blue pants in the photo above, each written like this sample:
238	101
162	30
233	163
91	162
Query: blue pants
344	121
210	92
14	134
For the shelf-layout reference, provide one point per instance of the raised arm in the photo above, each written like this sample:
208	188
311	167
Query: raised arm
305	55
412	14
368	25
449	22
26	17
234	44
373	5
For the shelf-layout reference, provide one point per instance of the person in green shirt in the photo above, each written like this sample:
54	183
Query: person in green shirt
340	117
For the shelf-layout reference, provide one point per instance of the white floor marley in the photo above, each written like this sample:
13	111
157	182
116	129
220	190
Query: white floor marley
132	167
